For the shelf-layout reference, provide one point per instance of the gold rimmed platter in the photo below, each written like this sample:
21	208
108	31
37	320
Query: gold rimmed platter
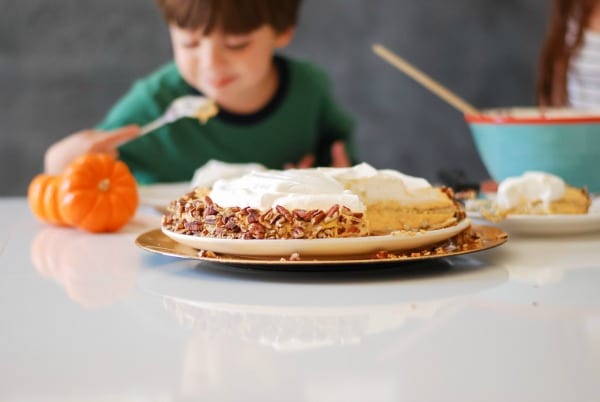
474	239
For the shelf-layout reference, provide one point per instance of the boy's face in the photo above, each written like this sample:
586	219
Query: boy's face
234	70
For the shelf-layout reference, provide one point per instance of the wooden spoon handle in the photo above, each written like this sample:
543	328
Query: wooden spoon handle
424	80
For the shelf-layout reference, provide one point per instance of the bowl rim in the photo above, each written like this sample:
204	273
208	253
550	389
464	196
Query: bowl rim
505	116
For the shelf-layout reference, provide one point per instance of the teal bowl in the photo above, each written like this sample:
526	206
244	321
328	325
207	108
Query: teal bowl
563	142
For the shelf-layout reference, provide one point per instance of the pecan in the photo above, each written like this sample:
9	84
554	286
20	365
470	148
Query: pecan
317	217
333	211
253	216
276	218
267	216
211	219
207	254
232	225
194	226
382	254
353	229
210	210
332	214
285	213
297	232
301	214
257	230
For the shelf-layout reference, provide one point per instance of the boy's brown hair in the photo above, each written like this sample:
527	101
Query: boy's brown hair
234	16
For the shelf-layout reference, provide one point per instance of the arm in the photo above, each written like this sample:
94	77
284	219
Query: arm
121	125
62	153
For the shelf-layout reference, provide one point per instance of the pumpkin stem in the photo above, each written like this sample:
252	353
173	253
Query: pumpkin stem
104	185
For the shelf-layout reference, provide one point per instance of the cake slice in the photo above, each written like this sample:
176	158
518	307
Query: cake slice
396	201
314	203
533	193
540	193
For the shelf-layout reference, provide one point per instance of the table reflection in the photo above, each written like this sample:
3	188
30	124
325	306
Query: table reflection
248	325
304	310
296	328
554	258
95	270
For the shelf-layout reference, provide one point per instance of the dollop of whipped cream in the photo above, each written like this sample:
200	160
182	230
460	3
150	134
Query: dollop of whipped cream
530	187
213	170
293	189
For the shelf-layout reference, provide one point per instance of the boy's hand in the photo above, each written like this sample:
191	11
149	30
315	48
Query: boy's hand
108	142
62	153
307	161
339	158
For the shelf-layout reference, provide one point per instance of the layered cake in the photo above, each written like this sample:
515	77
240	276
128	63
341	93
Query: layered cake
396	201
540	193
533	193
313	203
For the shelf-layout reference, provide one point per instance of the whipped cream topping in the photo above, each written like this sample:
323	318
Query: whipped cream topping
320	188
529	187
213	170
379	185
293	189
366	171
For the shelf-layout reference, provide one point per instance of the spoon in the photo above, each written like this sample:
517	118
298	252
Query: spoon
198	107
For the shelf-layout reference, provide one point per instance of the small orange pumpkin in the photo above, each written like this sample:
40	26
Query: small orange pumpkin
98	193
43	198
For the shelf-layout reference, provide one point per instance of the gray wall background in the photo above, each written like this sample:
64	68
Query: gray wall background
63	63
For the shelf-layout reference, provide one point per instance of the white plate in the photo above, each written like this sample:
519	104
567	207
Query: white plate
160	195
549	224
319	247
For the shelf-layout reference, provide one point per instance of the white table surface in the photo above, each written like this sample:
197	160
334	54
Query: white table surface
94	318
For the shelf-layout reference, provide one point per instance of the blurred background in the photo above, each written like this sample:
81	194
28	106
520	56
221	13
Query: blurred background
63	63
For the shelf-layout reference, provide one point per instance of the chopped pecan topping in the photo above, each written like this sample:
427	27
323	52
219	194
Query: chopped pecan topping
196	214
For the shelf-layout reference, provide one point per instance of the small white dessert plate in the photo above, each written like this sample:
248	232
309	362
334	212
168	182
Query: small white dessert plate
549	224
319	247
160	195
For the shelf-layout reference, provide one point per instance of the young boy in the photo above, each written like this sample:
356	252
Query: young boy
272	110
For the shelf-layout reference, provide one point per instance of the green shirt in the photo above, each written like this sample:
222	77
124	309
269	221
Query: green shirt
301	118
